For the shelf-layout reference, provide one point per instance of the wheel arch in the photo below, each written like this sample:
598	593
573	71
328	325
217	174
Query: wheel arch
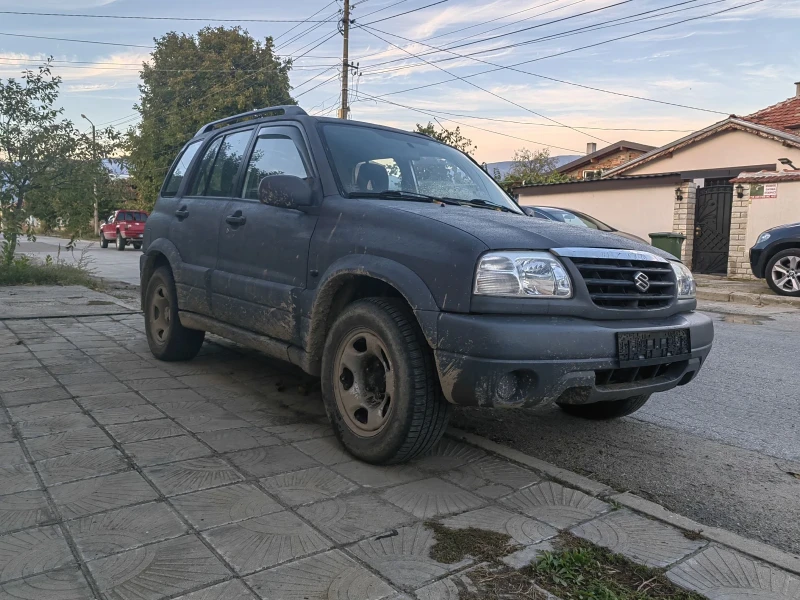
779	246
159	253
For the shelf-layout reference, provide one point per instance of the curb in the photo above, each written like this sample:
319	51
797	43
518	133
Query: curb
747	298
753	548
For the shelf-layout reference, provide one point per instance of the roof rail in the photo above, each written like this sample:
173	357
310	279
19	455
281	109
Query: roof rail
287	109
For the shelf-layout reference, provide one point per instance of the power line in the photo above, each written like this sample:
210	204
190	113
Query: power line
306	20
149	18
30	64
58	39
475	85
396	4
406	13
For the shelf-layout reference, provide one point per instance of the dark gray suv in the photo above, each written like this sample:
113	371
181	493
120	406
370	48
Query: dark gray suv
397	270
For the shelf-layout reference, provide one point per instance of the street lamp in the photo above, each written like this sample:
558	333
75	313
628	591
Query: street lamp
94	187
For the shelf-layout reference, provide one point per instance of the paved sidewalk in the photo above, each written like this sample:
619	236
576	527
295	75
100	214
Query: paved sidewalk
718	288
127	478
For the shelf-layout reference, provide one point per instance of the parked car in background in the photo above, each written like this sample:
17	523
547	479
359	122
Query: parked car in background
123	227
776	257
573	217
398	271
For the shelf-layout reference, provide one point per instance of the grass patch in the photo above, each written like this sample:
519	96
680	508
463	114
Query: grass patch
454	545
26	271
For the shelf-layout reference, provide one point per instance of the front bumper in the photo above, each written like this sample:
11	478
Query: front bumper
757	262
524	360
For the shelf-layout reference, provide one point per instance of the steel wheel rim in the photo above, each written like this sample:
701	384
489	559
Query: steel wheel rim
786	273
159	314
364	383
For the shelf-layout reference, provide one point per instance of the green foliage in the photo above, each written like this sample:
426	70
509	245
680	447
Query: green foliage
23	270
451	137
194	79
532	166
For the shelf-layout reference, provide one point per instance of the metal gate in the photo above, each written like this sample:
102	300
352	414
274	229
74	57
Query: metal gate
712	229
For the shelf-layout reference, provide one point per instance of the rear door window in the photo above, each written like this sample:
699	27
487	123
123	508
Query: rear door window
222	178
173	181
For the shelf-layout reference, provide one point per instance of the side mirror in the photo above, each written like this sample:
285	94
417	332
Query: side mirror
285	191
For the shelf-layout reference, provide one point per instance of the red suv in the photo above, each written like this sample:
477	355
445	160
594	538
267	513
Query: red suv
122	227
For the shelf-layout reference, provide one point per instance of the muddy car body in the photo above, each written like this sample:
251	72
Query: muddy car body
397	270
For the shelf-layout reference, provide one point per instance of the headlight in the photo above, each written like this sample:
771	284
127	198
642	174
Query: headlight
686	285
522	275
763	237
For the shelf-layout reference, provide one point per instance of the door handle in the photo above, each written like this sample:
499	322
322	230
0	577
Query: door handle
236	219
182	212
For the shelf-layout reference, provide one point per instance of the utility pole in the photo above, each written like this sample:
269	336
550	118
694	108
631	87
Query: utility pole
95	222
345	109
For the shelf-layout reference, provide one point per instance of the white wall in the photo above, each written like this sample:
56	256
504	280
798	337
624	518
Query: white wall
721	151
765	213
638	211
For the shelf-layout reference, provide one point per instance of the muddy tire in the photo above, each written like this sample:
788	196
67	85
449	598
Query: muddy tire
612	409
103	241
783	273
167	338
379	383
120	243
137	245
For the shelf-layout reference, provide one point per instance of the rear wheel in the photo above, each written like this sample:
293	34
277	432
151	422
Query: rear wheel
120	241
137	245
783	272
103	241
611	409
380	385
167	338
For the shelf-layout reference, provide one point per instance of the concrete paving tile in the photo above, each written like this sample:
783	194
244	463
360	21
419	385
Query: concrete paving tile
644	541
158	570
403	556
431	497
92	403
97	388
521	529
15	398
326	450
23	510
224	505
124	529
145	430
166	450
50	425
230	590
555	504
449	588
127	414
90	496
307	486
26	379
260	418
146	373
13	349
162	383
21	363
263	462
322	577
232	440
352	518
173	397
79	378
6	433
263	542
374	476
491	470
76	365
11	454
64	584
192	475
67	442
33	551
448	455
81	465
17	478
723	574
201	422
301	431
41	410
525	556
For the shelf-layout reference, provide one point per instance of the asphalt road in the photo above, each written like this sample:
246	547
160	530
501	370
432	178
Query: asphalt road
721	450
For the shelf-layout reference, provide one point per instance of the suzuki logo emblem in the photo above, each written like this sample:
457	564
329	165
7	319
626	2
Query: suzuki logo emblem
642	281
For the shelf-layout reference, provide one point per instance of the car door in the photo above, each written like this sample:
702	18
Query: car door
195	224
263	250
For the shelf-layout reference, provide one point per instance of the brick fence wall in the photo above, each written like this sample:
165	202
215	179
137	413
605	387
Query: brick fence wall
683	219
739	252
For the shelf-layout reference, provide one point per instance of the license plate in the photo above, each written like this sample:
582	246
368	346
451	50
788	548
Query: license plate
652	347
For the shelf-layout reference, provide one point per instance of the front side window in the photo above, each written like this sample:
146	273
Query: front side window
273	154
370	160
175	177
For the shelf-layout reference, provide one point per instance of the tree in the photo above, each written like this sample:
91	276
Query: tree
191	80
451	137
532	166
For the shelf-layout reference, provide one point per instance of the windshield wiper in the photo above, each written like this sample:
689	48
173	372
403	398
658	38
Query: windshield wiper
480	203
403	195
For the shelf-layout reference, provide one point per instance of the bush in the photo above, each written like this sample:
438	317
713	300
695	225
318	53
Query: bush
24	270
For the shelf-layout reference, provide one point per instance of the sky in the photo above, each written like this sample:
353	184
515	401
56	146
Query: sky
576	86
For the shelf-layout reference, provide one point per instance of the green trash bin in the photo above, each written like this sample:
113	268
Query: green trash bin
668	241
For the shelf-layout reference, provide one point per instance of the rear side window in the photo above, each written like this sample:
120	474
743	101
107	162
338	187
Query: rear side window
228	155
272	155
175	177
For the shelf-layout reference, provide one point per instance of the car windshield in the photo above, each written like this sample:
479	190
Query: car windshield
370	161
576	218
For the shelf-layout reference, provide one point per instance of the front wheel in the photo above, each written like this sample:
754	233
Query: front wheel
120	242
167	338
783	272
103	241
611	409
379	383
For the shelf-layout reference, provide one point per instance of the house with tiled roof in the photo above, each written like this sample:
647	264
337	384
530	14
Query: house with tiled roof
692	186
596	162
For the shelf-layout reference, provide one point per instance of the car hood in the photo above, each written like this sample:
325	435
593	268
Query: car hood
505	231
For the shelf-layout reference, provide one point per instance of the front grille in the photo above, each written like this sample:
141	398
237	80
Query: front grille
606	377
612	282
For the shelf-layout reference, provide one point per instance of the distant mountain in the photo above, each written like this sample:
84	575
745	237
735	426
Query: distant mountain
504	166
